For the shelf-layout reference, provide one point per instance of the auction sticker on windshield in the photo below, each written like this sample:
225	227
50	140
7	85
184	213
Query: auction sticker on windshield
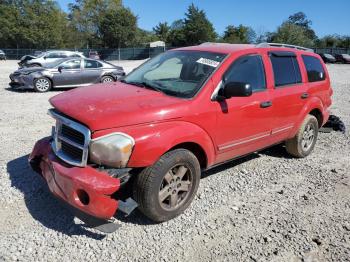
209	62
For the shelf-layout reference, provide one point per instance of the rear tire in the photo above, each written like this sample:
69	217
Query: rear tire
42	84
304	142
107	79
164	190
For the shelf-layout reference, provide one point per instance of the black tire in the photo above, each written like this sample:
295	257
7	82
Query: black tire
304	142
107	79
42	84
163	179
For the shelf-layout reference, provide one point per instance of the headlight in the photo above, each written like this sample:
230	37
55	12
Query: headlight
112	150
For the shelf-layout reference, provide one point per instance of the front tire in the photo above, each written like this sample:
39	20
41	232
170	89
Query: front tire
164	190
42	84
304	142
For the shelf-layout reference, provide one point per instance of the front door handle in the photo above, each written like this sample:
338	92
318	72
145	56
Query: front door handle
266	104
304	96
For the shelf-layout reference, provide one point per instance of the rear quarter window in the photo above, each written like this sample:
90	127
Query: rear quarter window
285	69
314	68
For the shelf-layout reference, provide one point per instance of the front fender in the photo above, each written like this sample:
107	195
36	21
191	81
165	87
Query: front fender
155	139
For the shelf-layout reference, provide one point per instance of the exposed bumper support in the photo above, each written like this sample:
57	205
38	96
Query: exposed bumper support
87	190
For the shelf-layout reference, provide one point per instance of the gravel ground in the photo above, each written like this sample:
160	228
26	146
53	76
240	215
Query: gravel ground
265	207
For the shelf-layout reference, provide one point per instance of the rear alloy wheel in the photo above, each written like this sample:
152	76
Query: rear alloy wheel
107	79
304	142
166	189
42	84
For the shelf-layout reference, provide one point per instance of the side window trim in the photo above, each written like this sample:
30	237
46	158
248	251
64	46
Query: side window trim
262	65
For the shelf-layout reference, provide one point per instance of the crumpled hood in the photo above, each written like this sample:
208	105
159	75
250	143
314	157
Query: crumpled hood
29	70
110	105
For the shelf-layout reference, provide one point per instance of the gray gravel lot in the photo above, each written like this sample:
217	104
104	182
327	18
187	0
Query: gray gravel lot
265	207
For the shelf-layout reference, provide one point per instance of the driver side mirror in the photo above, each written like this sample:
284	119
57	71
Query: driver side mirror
45	57
60	69
235	89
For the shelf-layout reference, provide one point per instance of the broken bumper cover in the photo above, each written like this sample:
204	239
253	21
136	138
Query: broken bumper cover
86	189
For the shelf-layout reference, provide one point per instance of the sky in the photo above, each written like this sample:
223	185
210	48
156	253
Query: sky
328	17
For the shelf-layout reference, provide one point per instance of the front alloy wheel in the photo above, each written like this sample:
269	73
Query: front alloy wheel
164	190
42	84
175	186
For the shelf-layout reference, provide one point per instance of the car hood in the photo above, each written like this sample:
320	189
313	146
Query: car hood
104	106
27	57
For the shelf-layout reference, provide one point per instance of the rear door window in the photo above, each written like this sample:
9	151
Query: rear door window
92	64
314	68
285	68
71	64
247	69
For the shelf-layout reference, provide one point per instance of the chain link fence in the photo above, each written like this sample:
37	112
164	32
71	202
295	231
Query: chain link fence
136	53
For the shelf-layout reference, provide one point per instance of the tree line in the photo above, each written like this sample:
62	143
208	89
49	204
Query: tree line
41	24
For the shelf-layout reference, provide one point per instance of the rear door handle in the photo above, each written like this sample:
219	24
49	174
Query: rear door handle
304	96
266	104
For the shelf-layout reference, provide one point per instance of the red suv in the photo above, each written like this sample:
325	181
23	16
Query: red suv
181	112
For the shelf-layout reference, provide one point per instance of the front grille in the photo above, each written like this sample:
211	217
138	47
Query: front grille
71	140
72	134
72	151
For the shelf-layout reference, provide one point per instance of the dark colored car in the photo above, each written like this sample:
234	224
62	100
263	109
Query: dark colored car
94	55
327	58
66	73
343	58
181	112
2	55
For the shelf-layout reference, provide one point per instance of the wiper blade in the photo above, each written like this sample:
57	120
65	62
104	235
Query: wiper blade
143	84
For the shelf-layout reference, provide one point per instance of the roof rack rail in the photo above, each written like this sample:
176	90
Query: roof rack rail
284	45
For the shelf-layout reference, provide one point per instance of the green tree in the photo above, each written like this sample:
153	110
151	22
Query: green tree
289	33
197	28
85	17
32	24
118	28
241	34
300	19
176	35
162	30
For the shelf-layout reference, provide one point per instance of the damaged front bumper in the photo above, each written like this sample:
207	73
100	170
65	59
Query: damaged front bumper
21	81
84	188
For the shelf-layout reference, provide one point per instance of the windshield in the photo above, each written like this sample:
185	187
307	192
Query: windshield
176	73
346	56
328	56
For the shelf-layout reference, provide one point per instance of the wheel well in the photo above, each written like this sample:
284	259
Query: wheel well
197	150
109	76
318	114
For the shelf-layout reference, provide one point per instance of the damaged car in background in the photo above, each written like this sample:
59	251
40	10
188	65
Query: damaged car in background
66	73
45	58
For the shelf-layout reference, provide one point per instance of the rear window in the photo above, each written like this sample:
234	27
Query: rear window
92	64
285	69
314	68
